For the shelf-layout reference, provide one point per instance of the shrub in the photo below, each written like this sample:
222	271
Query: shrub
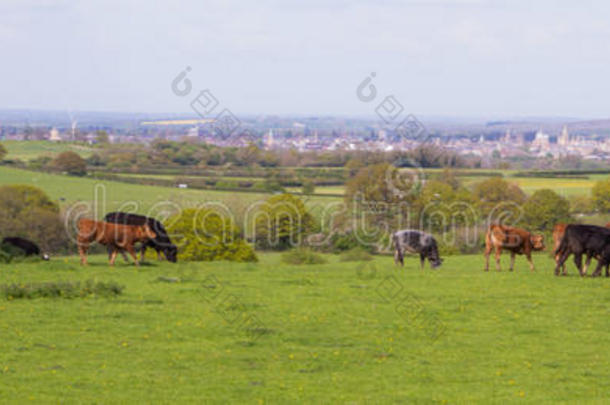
282	222
600	194
341	242
544	209
69	162
302	256
356	255
61	289
28	212
205	234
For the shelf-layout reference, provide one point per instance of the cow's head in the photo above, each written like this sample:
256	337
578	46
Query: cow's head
537	242
436	262
171	253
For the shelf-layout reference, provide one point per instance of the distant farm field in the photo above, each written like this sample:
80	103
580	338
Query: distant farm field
333	333
112	195
32	149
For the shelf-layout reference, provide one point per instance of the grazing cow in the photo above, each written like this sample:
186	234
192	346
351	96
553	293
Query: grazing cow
416	242
28	247
558	231
115	236
516	240
161	243
590	240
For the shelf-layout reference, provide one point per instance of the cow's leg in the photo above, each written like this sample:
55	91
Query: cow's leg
142	252
598	269
498	252
563	266
487	253
562	262
422	260
512	260
115	251
398	258
578	263
529	259
587	263
82	252
159	256
132	252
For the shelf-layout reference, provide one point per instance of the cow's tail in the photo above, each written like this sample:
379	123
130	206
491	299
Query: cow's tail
397	251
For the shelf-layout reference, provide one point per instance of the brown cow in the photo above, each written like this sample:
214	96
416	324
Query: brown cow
516	240
115	236
558	231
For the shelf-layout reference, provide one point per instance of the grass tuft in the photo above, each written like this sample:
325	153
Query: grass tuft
61	289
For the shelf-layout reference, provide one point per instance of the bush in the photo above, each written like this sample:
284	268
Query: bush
205	234
69	162
356	255
600	194
302	256
341	242
61	289
282	222
544	209
28	212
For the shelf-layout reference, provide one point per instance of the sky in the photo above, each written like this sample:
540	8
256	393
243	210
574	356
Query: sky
441	57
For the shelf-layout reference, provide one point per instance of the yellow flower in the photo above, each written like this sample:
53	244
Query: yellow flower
291	356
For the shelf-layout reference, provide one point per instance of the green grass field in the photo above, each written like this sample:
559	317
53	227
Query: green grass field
133	197
338	332
33	149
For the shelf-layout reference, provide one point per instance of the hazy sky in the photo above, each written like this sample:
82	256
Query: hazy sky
445	57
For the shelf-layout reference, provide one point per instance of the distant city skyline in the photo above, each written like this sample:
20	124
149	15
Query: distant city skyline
450	58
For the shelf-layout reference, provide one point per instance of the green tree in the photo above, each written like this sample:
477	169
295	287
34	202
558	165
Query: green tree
3	152
28	212
544	209
205	234
282	222
600	194
497	196
382	183
102	137
309	187
71	163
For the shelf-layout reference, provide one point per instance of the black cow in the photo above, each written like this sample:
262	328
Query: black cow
416	242
589	240
161	243
28	247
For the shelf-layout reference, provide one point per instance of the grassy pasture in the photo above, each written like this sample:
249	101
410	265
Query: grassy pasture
33	149
337	332
133	197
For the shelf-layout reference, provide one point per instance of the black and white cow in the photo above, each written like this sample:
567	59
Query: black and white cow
416	242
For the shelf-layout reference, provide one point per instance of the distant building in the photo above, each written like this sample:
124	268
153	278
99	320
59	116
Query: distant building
541	141
54	135
564	138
